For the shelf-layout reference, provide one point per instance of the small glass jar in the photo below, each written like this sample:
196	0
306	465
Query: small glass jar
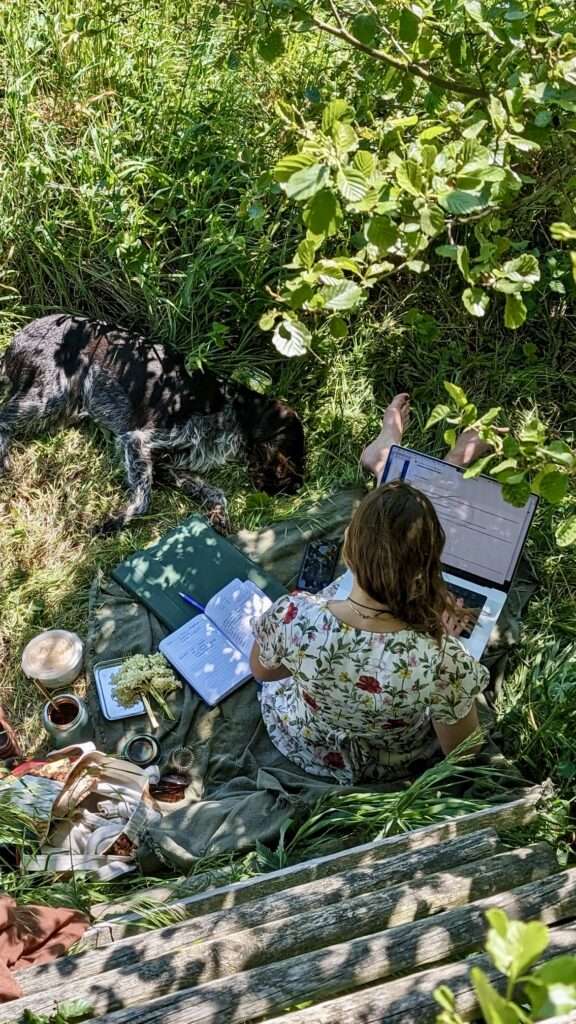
65	719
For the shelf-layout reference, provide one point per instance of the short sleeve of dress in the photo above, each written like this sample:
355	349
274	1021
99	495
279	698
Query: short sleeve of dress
459	681
271	632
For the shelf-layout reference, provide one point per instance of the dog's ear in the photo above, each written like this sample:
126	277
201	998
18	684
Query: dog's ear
277	457
275	441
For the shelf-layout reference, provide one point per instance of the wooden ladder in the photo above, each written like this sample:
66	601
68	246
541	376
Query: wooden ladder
365	935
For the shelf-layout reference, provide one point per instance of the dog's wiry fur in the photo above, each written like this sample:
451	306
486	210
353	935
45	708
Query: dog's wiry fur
167	422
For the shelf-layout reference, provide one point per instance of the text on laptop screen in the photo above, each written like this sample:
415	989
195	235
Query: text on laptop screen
484	534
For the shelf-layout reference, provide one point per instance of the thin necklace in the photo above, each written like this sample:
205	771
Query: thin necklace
375	612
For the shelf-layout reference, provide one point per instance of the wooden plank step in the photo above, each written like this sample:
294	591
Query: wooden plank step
329	972
291	941
284	904
410	1000
124	921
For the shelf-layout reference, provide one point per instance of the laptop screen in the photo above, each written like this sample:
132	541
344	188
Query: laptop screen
484	534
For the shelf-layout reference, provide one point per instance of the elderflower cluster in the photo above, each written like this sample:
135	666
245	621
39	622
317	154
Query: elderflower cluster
147	675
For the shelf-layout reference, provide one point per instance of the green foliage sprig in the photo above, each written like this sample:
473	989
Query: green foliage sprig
524	461
145	677
513	946
479	94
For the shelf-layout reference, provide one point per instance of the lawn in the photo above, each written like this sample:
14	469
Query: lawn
135	186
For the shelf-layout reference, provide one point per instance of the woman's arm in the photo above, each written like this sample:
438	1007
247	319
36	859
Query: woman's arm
451	736
263	674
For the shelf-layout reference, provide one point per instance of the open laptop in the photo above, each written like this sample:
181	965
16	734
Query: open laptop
484	535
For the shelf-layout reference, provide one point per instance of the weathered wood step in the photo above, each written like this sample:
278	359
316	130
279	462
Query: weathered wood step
254	989
311	896
329	972
410	1000
117	920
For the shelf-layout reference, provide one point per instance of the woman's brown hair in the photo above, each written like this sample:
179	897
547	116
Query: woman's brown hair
393	546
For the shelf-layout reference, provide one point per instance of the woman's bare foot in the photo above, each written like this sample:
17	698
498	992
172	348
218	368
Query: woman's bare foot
394	421
468	449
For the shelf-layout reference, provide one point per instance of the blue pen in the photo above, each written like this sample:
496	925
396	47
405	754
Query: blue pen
200	608
191	600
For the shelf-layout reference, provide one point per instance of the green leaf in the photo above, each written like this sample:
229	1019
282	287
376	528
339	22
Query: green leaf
461	203
352	184
336	110
566	533
552	486
562	232
533	432
507	287
458	49
323	214
514	312
365	28
271	46
551	988
522	144
381	232
489	416
479	466
463	261
342	295
439	413
409	26
573	265
433	132
476	301
456	394
291	338
516	494
432	221
450	437
338	327
268	319
409	177
364	162
495	1009
524	268
505	469
306	183
561	453
75	1009
498	114
345	138
288	165
306	253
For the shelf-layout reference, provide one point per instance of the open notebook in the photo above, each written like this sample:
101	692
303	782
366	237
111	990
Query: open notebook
212	650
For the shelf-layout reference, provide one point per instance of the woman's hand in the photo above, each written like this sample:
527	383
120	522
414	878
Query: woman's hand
457	619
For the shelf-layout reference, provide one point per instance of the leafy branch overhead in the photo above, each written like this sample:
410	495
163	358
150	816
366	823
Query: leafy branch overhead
523	462
474	97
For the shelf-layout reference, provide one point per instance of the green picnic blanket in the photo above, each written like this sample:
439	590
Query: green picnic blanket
242	789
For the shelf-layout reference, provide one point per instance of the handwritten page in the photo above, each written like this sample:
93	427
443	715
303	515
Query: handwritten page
212	651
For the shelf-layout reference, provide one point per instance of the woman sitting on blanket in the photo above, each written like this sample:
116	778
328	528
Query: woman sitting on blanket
365	689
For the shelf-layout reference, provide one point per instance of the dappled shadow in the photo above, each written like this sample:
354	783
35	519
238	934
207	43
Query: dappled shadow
381	919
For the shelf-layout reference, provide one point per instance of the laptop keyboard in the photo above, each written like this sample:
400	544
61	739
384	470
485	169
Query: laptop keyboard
471	600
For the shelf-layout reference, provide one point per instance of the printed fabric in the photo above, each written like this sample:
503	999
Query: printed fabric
358	705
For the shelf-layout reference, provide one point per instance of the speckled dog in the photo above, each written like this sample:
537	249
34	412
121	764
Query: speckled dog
168	422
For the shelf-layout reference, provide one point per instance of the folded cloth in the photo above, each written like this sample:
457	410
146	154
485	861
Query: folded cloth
33	935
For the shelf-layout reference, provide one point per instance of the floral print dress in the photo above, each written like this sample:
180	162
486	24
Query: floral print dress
358	705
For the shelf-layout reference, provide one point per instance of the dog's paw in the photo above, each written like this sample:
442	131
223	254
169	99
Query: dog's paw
219	519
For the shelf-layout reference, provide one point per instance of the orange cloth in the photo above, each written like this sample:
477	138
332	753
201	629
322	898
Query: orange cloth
32	935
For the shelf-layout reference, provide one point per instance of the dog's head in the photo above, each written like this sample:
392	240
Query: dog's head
275	443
